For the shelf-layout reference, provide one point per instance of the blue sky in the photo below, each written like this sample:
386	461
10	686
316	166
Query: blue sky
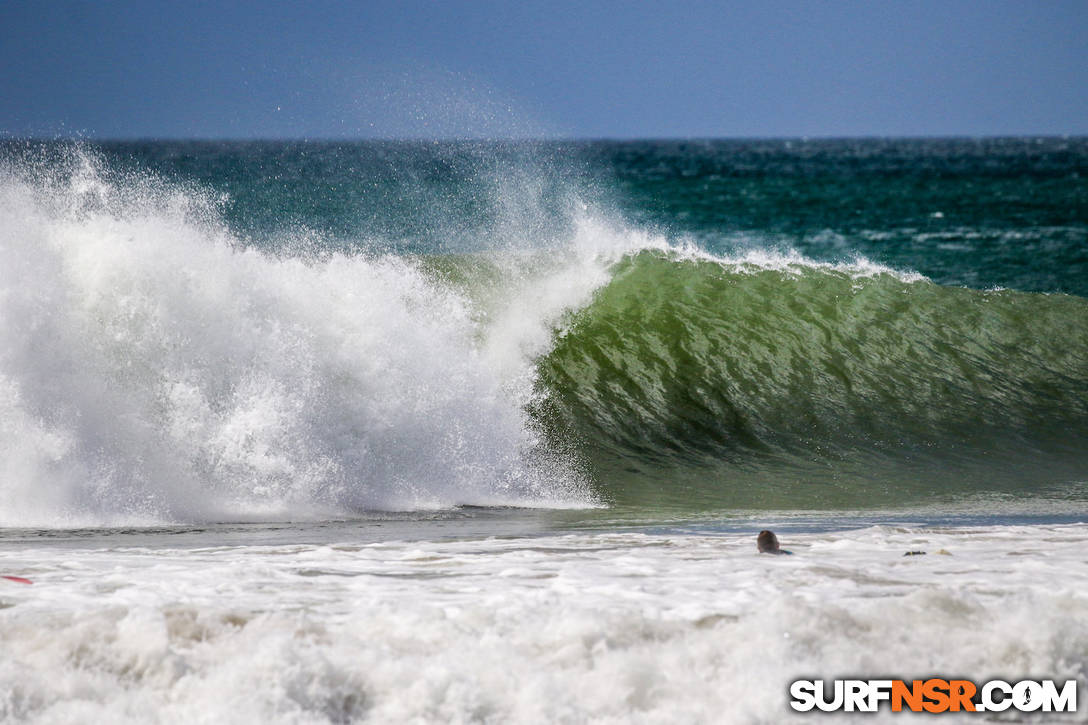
244	69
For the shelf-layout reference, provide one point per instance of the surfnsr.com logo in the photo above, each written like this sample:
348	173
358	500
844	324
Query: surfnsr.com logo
933	695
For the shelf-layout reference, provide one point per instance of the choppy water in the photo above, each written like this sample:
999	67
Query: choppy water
483	431
604	627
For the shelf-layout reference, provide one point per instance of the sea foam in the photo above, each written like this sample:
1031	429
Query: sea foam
154	366
586	627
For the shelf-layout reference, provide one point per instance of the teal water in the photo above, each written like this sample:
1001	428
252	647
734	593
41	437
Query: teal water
233	330
972	212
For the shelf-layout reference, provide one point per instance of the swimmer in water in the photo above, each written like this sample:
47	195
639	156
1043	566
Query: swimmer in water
767	543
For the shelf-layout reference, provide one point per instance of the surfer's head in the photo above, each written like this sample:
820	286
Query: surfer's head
767	542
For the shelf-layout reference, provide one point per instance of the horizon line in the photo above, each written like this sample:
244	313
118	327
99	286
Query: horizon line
7	138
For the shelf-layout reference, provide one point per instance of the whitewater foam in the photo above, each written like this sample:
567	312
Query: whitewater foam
155	367
789	262
606	627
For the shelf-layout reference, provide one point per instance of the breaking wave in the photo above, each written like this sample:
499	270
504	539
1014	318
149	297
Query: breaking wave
157	366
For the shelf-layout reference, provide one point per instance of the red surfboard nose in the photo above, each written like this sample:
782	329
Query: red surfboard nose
16	579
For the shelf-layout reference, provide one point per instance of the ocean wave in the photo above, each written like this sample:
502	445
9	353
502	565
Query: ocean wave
771	378
157	366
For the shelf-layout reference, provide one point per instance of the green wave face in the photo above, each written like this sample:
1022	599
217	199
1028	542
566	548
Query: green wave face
715	384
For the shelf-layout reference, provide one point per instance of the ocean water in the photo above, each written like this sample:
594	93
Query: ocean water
483	431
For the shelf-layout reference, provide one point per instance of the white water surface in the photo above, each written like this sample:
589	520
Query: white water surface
609	627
